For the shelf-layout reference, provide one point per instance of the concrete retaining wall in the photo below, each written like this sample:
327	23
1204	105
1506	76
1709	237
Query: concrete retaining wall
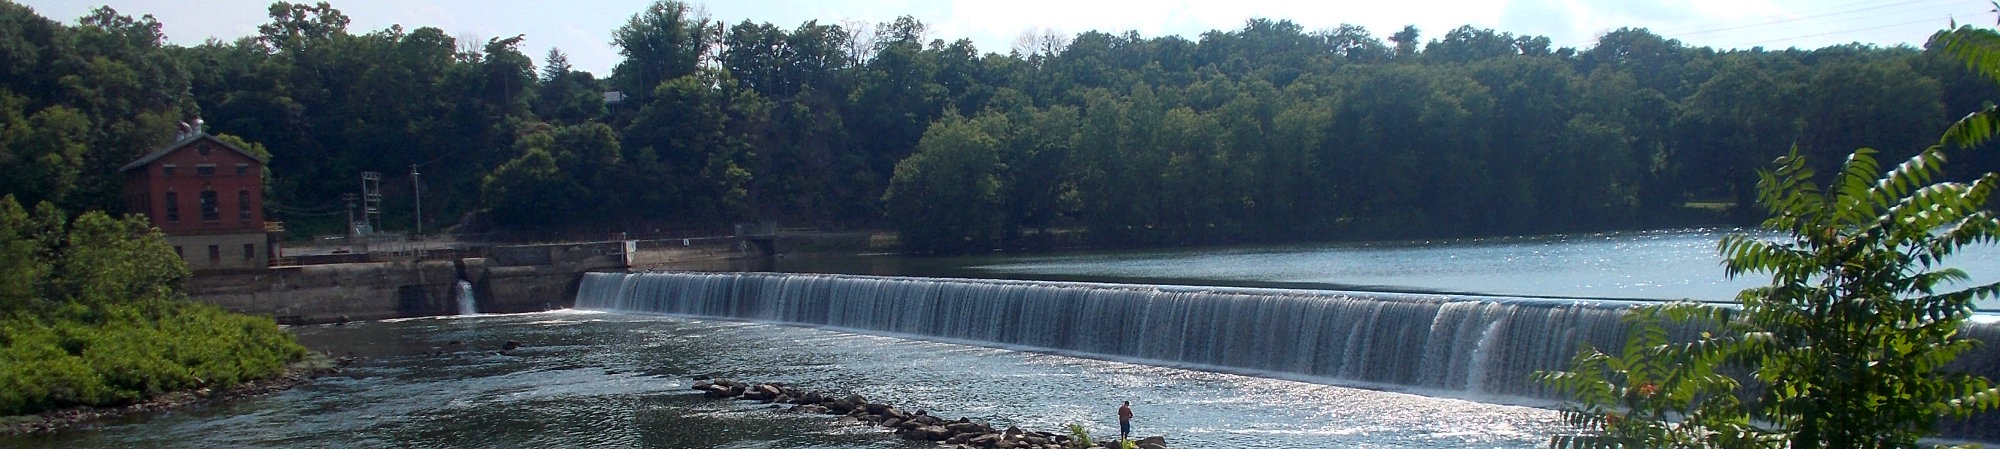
378	290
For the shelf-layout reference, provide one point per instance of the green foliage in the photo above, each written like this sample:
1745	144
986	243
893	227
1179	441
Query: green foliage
1267	132
1848	345
91	314
945	198
1078	437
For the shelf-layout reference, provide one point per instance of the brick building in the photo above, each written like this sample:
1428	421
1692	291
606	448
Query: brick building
207	197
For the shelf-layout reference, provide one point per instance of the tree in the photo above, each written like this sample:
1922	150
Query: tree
1848	345
663	42
530	191
945	197
565	95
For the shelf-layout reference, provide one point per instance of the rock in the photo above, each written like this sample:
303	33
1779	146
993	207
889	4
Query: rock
783	399
892	422
967	427
984	440
926	433
839	405
876	408
892	412
1154	440
962	438
719	392
510	345
856	400
812	398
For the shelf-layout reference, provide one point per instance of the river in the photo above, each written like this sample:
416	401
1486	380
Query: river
1253	364
593	379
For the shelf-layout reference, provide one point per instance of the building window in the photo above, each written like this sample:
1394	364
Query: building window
249	251
178	253
243	205
167	170
173	207
209	211
204	170
214	254
242	169
203	149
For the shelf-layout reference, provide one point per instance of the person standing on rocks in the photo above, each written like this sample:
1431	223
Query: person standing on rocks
1125	421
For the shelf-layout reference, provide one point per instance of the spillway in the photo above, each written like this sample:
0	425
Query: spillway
1476	345
1462	345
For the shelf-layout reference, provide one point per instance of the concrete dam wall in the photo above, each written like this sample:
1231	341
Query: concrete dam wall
510	280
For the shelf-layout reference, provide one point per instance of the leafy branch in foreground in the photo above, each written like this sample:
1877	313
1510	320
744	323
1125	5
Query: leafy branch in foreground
1847	346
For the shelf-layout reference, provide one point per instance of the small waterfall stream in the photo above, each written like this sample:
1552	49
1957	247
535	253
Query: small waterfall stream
468	304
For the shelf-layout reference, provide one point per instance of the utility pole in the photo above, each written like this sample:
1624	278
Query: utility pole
371	200
418	186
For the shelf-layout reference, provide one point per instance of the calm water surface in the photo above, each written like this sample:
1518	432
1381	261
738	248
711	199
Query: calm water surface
590	379
1651	265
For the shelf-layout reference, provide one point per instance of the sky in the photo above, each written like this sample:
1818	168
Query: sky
582	28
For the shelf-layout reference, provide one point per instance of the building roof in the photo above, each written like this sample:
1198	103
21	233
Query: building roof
183	142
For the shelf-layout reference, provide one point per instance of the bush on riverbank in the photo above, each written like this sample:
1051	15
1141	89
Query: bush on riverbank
91	313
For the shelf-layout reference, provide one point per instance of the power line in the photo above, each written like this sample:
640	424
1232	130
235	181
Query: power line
1856	30
1715	28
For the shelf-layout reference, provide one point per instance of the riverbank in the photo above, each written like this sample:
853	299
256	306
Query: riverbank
53	421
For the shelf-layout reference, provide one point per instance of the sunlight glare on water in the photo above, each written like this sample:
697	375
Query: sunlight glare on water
614	380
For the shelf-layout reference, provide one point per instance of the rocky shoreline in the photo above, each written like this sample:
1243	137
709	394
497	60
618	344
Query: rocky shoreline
960	433
53	421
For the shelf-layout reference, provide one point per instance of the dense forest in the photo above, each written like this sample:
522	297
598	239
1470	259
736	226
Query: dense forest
1269	132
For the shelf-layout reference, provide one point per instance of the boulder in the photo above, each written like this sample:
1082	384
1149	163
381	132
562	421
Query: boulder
840	405
1154	440
987	439
892	422
877	408
764	392
812	398
926	433
719	392
968	427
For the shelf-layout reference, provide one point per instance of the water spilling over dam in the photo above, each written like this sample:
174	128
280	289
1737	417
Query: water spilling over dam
1477	345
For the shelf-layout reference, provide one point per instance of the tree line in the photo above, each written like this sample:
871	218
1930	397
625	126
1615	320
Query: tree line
1269	132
